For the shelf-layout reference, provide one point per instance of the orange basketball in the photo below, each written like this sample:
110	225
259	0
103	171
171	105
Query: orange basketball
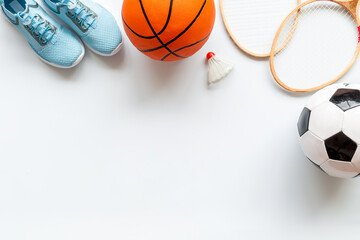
168	30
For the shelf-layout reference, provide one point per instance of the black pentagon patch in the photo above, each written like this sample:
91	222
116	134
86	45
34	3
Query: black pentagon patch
346	99
357	176
316	165
340	147
303	123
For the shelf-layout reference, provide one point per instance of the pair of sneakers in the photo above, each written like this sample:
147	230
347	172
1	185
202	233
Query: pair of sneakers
55	44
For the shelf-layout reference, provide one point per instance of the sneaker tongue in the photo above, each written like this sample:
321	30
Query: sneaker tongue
25	13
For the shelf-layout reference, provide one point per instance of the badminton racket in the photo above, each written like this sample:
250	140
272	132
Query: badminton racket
252	24
322	48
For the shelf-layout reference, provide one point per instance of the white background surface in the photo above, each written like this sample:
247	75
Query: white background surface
132	149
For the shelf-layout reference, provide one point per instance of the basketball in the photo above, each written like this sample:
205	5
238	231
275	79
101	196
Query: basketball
168	30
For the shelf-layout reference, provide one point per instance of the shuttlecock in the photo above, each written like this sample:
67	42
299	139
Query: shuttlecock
218	68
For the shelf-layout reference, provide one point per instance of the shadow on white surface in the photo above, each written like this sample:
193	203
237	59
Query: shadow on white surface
113	62
281	90
65	73
159	80
312	191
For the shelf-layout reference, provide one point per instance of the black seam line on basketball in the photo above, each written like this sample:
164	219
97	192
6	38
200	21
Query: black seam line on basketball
140	36
153	30
178	36
185	47
168	18
162	30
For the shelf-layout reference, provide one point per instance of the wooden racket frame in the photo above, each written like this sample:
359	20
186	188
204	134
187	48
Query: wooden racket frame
237	43
352	6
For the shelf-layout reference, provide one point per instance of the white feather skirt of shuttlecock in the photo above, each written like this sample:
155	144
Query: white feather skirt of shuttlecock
218	69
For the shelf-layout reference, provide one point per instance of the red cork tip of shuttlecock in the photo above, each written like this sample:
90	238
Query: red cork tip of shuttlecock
210	55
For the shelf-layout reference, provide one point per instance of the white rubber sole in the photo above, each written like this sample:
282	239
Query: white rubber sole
115	51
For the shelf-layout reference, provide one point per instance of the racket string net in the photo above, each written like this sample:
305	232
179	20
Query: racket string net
319	42
254	23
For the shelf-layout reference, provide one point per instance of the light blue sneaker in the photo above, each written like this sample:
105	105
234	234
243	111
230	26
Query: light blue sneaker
53	43
95	25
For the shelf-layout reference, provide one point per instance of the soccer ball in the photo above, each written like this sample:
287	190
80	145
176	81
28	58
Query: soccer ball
329	129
